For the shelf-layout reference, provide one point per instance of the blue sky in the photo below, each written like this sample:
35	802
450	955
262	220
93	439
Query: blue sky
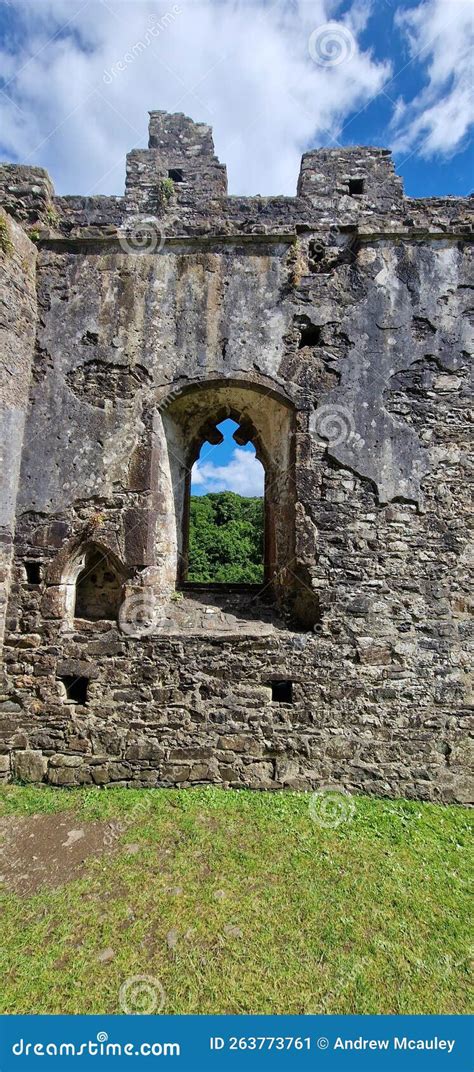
227	467
424	173
273	78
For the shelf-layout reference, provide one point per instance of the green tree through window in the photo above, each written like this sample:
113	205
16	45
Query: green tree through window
226	538
226	528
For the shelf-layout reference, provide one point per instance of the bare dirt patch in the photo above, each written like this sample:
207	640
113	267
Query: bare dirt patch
45	851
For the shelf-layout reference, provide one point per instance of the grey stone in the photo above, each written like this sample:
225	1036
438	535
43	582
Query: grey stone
233	931
172	938
29	766
105	956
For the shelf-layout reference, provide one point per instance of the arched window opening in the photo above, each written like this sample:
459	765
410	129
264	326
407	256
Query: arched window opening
225	541
98	587
262	422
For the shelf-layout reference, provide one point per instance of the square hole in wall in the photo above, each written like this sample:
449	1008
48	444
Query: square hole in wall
75	688
33	572
356	186
310	334
176	174
282	691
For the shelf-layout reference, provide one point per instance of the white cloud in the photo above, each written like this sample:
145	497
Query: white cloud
243	474
244	66
440	35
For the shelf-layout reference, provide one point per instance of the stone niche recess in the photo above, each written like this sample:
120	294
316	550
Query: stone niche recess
84	583
335	328
98	587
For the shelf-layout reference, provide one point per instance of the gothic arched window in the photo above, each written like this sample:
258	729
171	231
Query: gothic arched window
266	422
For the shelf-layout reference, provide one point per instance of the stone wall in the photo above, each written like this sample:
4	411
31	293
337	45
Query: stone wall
334	327
17	339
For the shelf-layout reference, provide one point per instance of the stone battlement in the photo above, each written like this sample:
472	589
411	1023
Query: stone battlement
179	180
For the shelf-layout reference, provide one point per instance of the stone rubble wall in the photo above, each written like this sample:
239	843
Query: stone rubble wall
17	337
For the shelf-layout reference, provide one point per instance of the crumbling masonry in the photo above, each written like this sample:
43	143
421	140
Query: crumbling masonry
334	328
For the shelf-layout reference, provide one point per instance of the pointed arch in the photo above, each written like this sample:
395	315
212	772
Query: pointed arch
266	419
91	580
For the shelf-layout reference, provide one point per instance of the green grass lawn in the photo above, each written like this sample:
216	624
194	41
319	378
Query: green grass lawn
239	902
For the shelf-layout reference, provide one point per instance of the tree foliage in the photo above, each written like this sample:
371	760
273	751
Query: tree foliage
225	538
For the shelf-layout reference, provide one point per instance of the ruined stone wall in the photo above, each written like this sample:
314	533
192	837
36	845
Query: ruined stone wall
17	337
334	326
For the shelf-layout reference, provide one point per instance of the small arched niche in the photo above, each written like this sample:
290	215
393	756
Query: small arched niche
264	419
94	585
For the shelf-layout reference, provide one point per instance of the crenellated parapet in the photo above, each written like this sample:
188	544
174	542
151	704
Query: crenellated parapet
351	184
179	181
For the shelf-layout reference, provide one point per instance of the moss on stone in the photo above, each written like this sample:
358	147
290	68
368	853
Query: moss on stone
6	244
167	189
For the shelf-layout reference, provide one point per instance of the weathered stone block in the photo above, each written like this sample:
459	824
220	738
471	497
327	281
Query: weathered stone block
239	743
32	640
259	775
64	776
144	750
64	760
229	774
176	774
29	766
53	603
100	775
373	652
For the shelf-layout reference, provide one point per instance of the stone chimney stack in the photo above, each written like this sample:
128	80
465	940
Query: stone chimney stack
358	180
179	169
